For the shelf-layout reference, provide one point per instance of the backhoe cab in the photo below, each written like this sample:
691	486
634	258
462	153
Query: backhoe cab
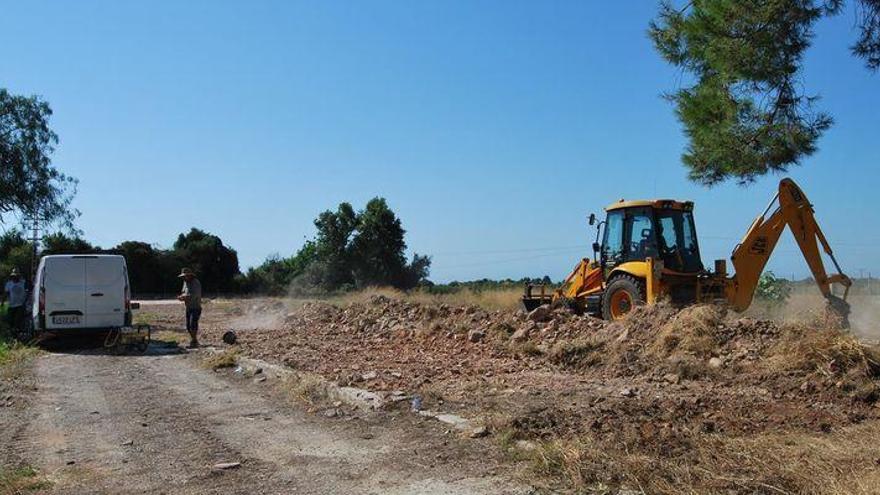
649	250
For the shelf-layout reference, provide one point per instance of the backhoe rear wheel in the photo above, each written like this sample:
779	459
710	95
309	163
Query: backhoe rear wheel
622	295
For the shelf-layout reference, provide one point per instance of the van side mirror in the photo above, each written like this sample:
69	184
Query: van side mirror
596	247
592	219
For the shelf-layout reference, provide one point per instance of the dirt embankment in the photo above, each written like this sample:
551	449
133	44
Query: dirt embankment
632	403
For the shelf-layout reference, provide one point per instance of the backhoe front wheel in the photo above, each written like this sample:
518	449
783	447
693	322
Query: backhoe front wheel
622	295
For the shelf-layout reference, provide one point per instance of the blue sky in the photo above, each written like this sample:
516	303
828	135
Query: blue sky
492	128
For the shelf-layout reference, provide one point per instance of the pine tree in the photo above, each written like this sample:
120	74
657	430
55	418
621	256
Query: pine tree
746	114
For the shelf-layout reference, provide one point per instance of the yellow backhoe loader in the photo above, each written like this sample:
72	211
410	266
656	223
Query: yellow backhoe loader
649	251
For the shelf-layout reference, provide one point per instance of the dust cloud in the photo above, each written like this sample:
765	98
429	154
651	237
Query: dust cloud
261	315
865	317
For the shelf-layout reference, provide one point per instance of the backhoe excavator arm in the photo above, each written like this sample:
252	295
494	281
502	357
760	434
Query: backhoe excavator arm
750	256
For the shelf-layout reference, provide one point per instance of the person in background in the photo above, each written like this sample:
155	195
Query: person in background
16	293
191	295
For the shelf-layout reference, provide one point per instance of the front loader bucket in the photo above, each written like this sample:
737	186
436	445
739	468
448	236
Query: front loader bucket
529	304
532	298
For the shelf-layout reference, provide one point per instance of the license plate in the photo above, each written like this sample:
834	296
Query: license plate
66	320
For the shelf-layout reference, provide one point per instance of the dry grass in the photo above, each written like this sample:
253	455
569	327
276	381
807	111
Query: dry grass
825	351
170	337
307	387
14	357
220	360
843	462
691	331
21	480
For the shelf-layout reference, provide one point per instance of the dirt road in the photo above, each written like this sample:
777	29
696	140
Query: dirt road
160	423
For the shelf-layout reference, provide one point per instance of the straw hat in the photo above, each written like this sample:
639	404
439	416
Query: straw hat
185	272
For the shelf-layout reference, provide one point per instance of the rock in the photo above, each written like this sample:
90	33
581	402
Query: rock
671	378
715	362
479	432
331	413
476	335
260	379
128	443
370	375
627	392
227	465
522	334
258	371
541	313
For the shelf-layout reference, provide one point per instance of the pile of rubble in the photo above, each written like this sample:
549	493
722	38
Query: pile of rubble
400	344
683	367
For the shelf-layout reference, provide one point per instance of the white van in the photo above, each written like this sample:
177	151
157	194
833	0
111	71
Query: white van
76	292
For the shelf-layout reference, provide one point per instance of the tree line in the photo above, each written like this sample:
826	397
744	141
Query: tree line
151	270
351	250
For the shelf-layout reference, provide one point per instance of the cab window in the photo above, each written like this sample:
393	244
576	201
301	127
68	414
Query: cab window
612	244
639	232
678	241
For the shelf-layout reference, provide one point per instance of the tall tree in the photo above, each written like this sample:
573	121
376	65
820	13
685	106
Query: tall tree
29	184
363	249
378	247
335	230
215	264
745	113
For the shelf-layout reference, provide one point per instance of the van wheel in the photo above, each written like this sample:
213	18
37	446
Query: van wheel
622	295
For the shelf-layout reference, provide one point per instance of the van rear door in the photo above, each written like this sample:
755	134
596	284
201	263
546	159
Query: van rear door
63	282
105	291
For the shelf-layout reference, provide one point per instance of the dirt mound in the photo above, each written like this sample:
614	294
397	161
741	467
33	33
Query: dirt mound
661	383
692	369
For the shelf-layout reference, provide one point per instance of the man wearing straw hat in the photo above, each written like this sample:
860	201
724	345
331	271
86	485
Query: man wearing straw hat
191	295
15	292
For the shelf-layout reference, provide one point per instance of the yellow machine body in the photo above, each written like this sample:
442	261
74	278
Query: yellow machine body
662	259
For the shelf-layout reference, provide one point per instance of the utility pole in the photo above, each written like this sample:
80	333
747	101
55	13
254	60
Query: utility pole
34	226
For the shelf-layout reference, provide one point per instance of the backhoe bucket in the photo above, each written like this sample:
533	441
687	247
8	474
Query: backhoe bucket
536	295
837	312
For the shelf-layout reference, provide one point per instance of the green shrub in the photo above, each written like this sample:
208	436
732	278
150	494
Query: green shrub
772	289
